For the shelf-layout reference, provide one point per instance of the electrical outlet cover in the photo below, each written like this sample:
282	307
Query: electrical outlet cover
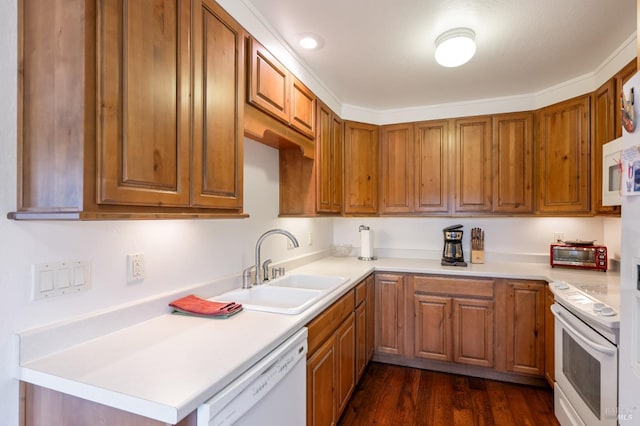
135	267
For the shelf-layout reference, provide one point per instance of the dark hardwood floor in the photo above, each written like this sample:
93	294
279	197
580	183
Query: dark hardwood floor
399	396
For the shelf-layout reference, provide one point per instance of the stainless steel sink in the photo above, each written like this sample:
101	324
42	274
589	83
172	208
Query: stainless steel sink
291	294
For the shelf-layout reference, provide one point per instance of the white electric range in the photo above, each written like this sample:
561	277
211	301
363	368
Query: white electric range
586	335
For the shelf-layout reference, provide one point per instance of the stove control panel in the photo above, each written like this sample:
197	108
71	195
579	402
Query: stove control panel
584	305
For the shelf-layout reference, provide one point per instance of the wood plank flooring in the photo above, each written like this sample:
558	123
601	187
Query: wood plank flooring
403	396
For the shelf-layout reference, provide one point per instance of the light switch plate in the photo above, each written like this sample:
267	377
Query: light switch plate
59	278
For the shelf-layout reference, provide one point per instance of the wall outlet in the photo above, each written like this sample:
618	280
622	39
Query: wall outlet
135	267
309	238
558	237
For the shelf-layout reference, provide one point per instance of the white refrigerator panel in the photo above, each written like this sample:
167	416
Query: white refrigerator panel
629	359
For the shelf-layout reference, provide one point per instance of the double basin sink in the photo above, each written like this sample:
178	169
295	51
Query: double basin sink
291	294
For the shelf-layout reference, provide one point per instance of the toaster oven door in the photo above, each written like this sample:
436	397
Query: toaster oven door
574	256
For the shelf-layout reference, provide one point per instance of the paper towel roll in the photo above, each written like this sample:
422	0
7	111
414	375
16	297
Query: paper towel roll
366	244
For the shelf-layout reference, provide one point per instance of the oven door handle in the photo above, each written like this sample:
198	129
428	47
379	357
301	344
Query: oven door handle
565	323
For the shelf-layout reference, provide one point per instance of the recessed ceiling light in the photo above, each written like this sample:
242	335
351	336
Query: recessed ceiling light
455	47
310	41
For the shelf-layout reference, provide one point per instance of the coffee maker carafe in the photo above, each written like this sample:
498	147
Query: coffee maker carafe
452	252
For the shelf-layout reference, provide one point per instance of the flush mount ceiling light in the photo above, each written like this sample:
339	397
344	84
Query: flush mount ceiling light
455	47
310	41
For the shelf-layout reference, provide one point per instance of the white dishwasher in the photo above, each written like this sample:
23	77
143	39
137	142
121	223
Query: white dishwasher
273	392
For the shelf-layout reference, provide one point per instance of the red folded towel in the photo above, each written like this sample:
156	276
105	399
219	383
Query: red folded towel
195	305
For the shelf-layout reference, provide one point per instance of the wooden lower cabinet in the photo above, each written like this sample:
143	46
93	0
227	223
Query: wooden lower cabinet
371	317
476	326
432	339
389	319
454	329
42	406
321	377
473	332
549	324
346	362
525	327
339	350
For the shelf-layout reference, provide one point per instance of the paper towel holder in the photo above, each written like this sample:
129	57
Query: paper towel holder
360	229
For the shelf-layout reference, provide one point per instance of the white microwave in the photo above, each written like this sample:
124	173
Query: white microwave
611	173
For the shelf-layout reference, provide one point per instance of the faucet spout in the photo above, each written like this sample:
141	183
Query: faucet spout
259	273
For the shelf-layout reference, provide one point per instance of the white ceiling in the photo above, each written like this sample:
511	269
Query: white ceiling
378	54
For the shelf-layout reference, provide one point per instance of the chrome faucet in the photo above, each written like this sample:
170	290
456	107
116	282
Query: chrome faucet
259	272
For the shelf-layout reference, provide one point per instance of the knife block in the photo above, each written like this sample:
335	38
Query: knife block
477	256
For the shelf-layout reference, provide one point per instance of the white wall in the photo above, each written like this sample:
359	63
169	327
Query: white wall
519	239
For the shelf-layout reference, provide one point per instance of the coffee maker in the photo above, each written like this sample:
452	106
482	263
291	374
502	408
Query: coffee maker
452	252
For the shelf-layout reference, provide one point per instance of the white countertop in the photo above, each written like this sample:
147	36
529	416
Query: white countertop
163	368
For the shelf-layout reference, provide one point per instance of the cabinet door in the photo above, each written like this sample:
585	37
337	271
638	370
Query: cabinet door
389	336
473	328
432	338
621	78
563	172
328	159
303	108
603	130
525	327
144	71
321	376
361	168
337	163
323	159
361	339
396	169
269	87
371	316
549	325
346	363
431	168
473	164
513	163
218	109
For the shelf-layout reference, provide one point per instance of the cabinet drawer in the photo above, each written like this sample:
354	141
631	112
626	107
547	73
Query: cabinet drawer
328	321
455	286
361	292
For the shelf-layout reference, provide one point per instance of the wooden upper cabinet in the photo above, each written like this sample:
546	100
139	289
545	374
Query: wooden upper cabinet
620	79
361	162
563	164
603	130
279	93
414	172
396	168
473	164
269	82
218	109
114	132
303	108
513	163
144	136
329	164
432	166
